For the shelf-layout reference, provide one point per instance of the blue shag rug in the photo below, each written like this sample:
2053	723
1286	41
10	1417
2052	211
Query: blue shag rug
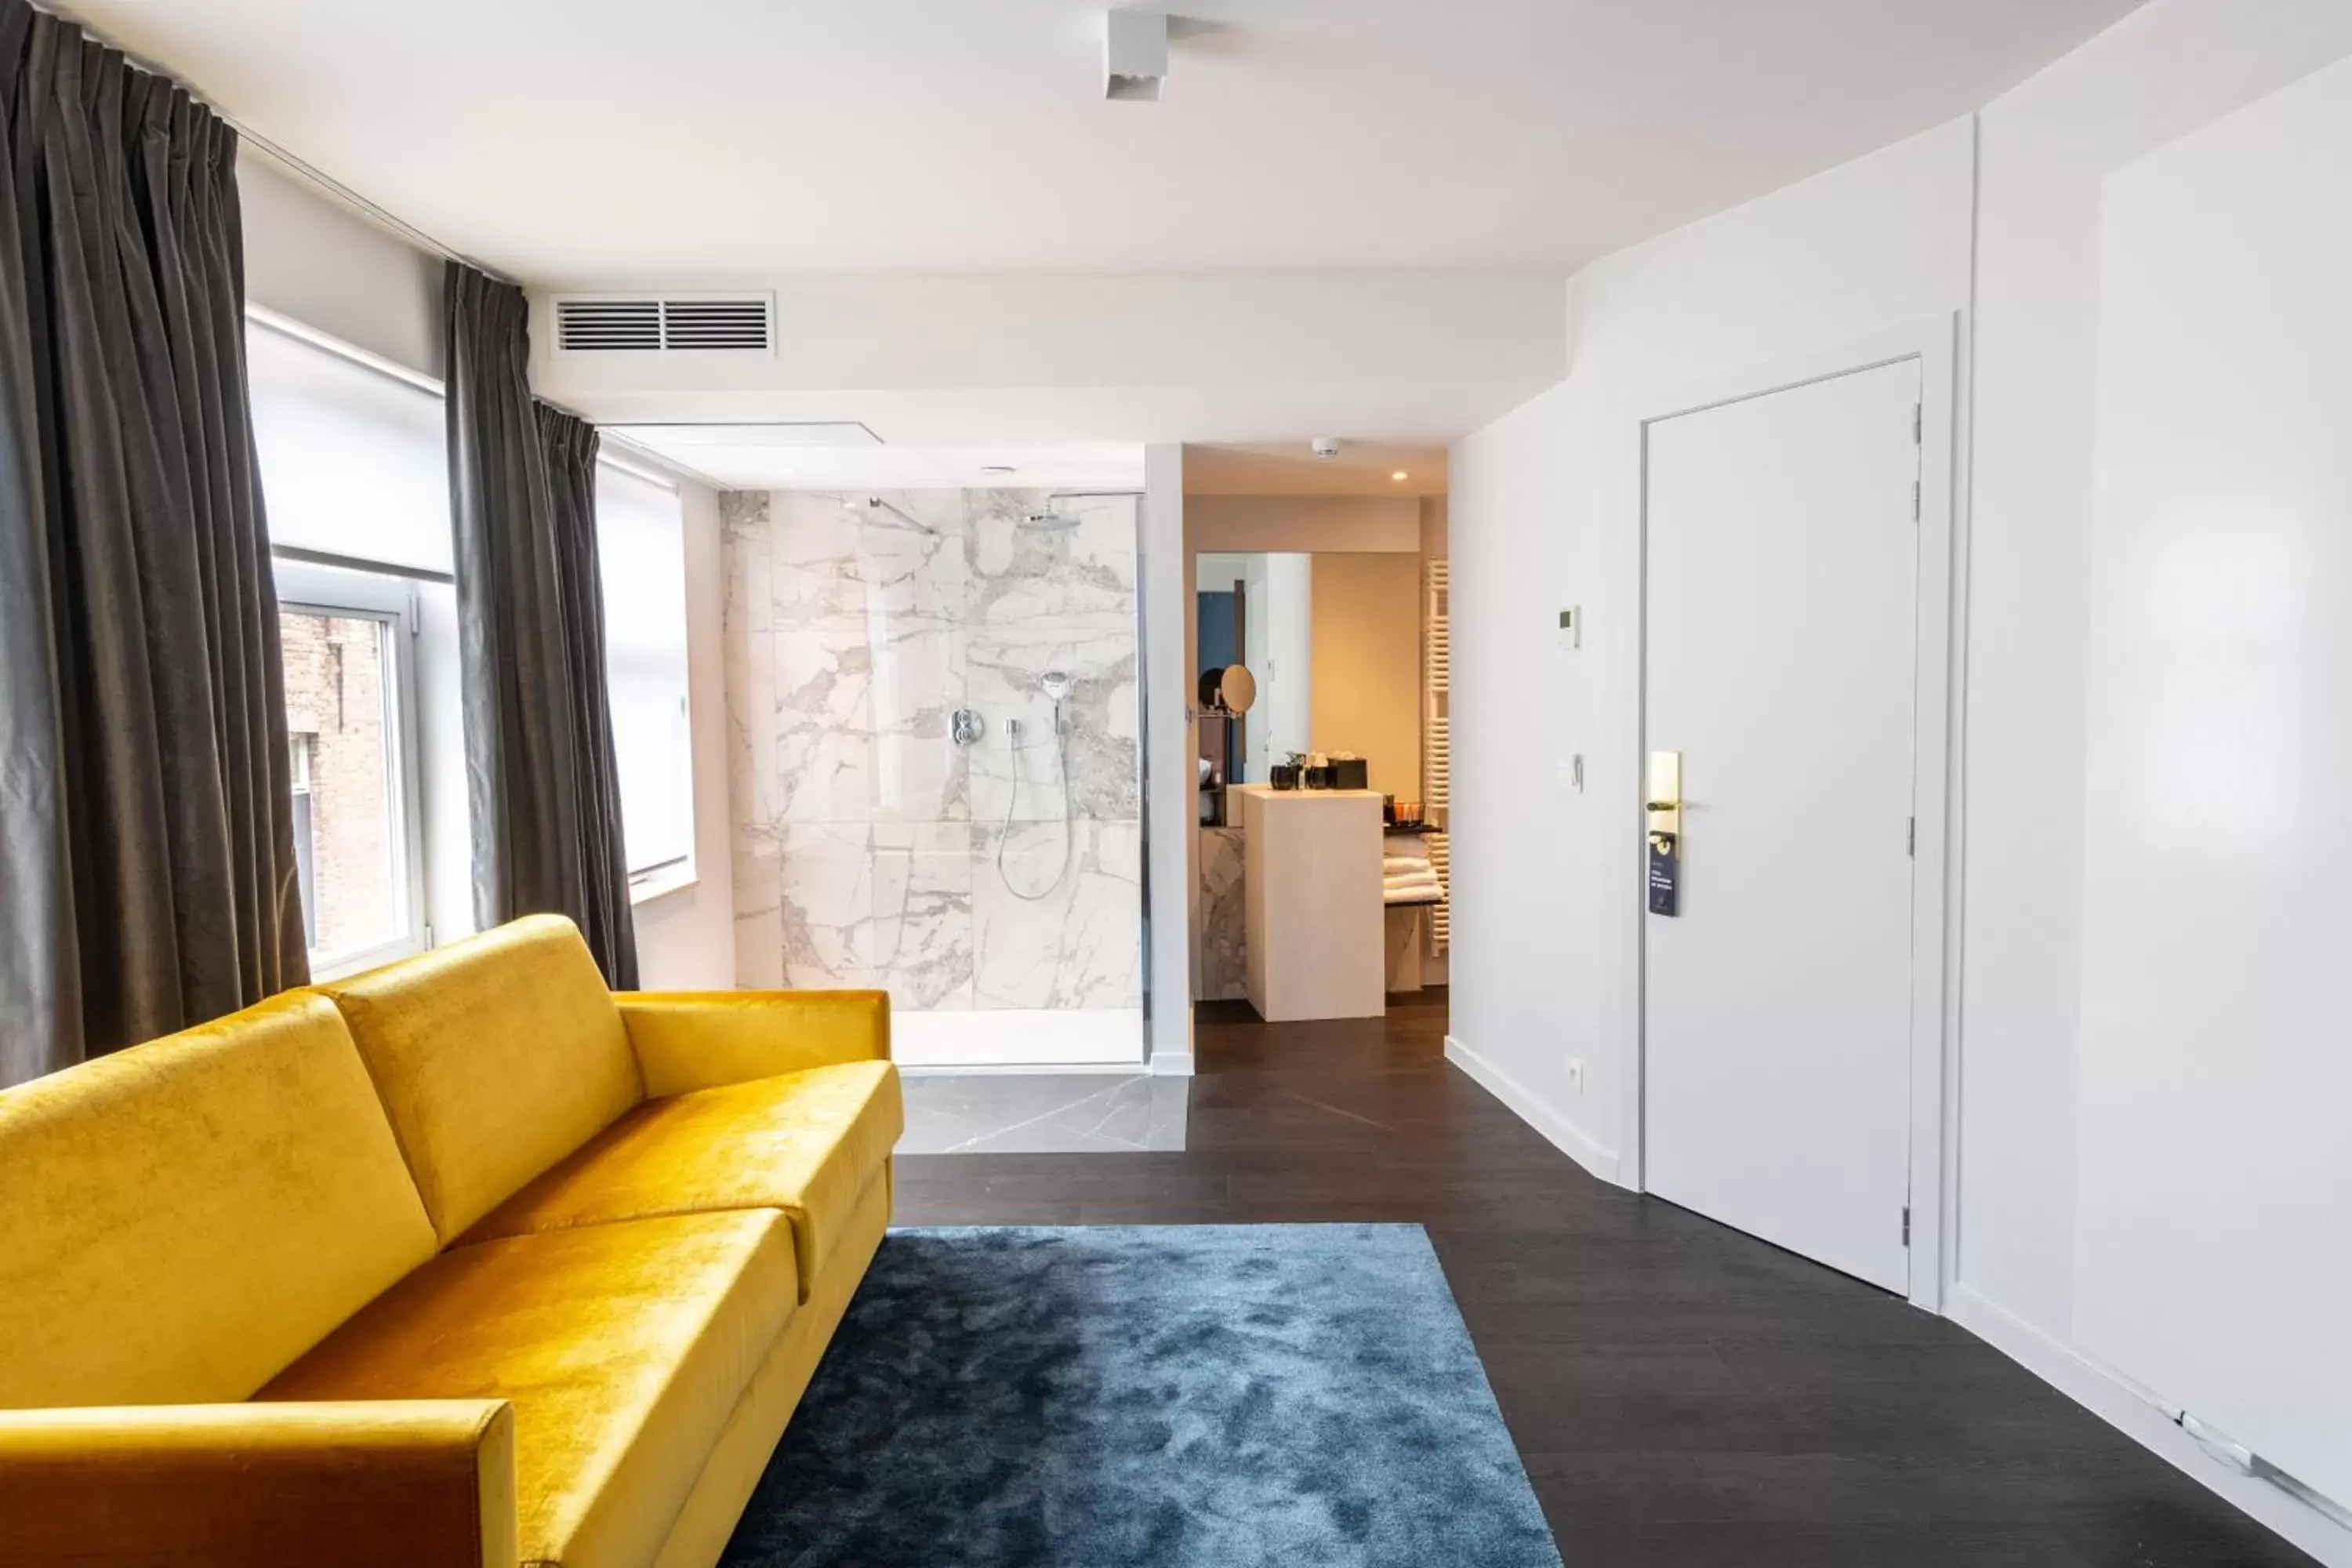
1159	1396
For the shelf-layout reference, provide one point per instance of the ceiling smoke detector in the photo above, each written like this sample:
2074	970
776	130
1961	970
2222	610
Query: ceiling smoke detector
1135	55
1324	446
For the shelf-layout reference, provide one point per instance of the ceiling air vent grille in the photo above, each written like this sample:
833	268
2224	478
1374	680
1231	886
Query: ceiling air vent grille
715	324
583	325
692	323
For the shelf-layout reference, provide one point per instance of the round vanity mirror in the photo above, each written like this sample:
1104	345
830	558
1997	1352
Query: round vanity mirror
1232	689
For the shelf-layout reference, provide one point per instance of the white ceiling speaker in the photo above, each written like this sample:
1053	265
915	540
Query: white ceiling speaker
1135	55
1324	446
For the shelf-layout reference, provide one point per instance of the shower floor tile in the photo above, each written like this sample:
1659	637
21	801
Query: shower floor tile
1043	1113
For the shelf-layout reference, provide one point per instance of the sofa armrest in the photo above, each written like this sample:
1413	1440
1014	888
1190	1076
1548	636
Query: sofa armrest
393	1484
686	1041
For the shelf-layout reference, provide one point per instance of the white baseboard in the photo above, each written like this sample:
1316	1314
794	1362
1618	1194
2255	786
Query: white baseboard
1171	1064
1037	1039
2137	1414
1557	1130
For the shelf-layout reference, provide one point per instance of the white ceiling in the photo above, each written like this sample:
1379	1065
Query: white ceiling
751	457
610	140
1291	469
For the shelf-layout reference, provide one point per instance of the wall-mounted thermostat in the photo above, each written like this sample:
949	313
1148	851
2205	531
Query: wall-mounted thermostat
1571	629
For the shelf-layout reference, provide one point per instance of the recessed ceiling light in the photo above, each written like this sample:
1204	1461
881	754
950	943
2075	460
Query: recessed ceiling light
998	470
1400	476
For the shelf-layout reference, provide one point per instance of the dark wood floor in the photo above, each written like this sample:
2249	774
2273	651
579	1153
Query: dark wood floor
1681	1394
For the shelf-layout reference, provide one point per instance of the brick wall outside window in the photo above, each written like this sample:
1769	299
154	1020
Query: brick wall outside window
335	706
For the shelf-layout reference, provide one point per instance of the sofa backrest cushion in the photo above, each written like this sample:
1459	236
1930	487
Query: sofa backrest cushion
495	1057
181	1221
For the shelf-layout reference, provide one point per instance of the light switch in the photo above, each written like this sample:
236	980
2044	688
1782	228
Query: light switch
1571	628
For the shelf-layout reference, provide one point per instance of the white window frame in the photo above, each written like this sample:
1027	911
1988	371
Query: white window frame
359	593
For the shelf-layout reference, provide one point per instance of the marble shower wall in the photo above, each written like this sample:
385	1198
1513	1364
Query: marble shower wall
869	848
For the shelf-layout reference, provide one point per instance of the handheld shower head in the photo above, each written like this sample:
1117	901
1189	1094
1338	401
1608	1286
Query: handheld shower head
1056	684
1048	521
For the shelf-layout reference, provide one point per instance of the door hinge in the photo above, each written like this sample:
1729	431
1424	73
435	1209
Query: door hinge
1911	837
1906	1225
1918	424
1915	501
409	613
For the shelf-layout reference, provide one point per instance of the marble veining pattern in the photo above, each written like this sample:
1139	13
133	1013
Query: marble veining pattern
1043	1113
870	849
1224	931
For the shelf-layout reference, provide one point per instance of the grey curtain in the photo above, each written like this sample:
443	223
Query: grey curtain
541	783
147	875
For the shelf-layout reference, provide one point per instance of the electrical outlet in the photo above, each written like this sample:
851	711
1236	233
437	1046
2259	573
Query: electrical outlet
1575	1074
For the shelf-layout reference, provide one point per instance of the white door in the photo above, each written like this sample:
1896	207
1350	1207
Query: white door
1781	582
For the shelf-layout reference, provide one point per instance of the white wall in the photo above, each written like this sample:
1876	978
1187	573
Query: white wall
686	938
2046	148
1257	650
1283	722
2169	68
2214	1079
1544	515
1171	792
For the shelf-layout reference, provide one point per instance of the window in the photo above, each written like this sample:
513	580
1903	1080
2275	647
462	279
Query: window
350	715
641	542
355	477
355	480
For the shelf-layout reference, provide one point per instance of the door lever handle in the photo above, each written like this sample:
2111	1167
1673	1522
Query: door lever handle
1663	806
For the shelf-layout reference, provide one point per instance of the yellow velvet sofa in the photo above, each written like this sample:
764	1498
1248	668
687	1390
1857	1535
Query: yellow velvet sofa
465	1261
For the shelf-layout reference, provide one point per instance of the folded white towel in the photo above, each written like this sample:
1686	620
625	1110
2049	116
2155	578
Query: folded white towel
1432	894
1392	864
1424	884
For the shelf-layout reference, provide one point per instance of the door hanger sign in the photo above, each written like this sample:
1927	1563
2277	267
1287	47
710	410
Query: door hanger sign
1666	873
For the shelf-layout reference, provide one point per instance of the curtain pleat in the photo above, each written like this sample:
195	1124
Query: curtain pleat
147	872
571	445
539	772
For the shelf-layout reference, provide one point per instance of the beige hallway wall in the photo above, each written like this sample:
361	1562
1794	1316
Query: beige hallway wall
1367	659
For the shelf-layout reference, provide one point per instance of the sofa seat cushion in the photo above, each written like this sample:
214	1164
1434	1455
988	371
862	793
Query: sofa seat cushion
808	1144
622	1347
